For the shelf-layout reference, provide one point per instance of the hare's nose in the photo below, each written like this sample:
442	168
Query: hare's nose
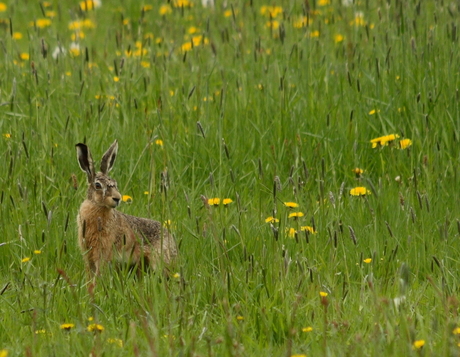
116	199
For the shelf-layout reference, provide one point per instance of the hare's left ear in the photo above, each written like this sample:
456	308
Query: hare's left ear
109	158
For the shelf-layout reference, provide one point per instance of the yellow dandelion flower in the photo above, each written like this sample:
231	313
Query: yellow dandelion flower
146	193
314	34
367	260
146	8
324	2
359	191
291	204
271	11
182	3
214	201
145	64
37	252
418	344
75	25
384	140
405	143
41	23
3	353
373	111
140	52
227	201
192	29
307	329
295	215
299	355
3	7
323	294
115	341
301	22
90	318
116	78
272	24
79	24
228	13
308	229
40	332
67	326
77	35
25	260
240	318
187	46
87	5
338	38
24	56
17	35
127	199
95	328
271	220
357	171
165	9
171	93
7	136
199	40
456	331
291	232
159	142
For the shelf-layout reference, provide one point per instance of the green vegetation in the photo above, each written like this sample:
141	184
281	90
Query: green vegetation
258	103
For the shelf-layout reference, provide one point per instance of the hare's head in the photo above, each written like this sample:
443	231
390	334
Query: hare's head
102	190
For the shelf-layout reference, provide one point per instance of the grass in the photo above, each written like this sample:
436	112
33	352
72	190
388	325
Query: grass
262	105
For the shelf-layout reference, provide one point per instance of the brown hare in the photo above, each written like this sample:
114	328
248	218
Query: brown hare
105	234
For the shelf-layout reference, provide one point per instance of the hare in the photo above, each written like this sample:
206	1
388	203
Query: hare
105	234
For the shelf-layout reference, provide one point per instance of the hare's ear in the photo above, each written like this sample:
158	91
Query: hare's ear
86	161
109	158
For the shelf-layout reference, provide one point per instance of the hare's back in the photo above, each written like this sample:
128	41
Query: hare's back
148	229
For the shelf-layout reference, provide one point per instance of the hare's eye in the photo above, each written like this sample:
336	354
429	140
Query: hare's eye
97	185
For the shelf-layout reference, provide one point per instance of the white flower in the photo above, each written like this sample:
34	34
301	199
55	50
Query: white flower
207	3
58	51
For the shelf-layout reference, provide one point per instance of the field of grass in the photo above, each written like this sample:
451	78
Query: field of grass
266	104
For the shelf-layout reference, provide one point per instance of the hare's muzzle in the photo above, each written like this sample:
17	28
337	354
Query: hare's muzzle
116	200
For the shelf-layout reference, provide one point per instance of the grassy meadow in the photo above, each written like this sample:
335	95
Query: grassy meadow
246	128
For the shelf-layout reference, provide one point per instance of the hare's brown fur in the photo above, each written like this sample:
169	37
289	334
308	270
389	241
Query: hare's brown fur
105	234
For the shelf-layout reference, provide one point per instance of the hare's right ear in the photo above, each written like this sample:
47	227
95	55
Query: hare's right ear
86	161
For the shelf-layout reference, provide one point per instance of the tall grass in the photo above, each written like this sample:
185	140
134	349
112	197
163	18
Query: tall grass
258	102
